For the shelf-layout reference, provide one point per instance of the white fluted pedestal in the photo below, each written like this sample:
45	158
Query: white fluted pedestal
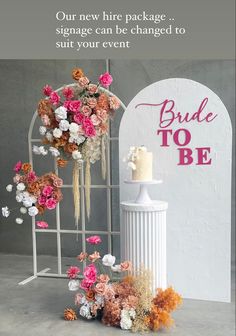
143	238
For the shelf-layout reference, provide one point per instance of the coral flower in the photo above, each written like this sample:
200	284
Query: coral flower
103	278
77	73
94	240
95	256
26	167
42	224
82	256
126	266
72	272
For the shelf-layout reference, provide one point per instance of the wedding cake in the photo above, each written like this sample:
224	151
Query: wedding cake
140	161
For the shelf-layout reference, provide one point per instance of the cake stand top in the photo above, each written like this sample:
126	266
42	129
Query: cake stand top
143	182
152	206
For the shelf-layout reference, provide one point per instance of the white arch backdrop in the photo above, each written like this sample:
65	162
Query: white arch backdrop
199	194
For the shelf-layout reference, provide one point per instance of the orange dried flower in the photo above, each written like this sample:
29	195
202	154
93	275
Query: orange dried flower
90	295
26	167
40	208
44	107
61	163
129	279
34	188
111	313
70	147
70	314
167	299
77	73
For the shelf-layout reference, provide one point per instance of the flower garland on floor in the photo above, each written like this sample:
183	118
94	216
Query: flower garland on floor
36	193
75	126
127	303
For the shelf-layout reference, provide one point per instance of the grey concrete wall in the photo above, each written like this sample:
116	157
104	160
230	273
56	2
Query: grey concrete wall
20	89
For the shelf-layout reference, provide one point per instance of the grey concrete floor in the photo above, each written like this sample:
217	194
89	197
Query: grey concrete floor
37	308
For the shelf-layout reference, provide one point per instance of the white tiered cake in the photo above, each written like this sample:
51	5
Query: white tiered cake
140	160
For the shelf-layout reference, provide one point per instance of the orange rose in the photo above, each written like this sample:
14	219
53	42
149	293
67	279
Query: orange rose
34	188
82	256
100	288
44	107
26	167
103	102
77	73
90	295
61	163
70	147
40	208
126	266
93	257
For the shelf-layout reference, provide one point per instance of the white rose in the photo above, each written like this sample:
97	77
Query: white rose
74	128
85	312
33	211
19	220
43	151
49	136
80	139
20	186
5	211
132	165
23	210
73	285
116	268
9	187
125	322
39	150
64	125
108	260
29	201
61	113
19	197
42	130
76	155
55	152
57	133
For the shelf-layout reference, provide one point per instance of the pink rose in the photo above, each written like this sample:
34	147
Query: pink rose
50	203
93	240
114	102
103	278
72	105
86	110
105	79
42	200
90	131
83	82
92	102
47	191
45	120
57	181
68	92
100	288
126	266
17	178
92	89
18	166
78	118
31	177
90	273
86	284
54	98
72	272
95	120
47	90
42	224
102	115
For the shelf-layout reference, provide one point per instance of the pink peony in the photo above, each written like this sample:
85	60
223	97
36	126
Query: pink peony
94	240
90	131
45	120
95	120
105	79
86	284
50	203
102	115
47	90
114	102
68	92
92	102
92	89
18	166
78	118
100	288
83	82
72	105
31	177
47	191
54	98
42	224
42	200
86	110
90	273
72	272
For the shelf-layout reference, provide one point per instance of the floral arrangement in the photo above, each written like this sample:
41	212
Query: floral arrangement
35	193
75	126
133	155
126	302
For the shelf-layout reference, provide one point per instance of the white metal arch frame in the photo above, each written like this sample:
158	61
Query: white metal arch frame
58	231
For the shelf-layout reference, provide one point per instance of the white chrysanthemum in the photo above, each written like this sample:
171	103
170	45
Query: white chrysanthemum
76	155
5	211
74	128
9	187
108	260
55	152
19	197
61	113
49	136
125	322
116	268
57	133
73	285
19	221
20	186
33	211
42	130
39	150
85	312
23	210
64	125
